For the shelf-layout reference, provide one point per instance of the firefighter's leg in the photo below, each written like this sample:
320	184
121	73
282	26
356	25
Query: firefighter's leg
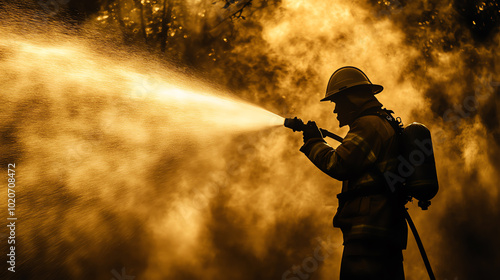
359	263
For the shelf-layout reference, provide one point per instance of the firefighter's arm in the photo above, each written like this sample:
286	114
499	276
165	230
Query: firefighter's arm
325	158
358	150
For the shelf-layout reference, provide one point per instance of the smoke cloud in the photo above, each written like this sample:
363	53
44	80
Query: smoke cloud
130	166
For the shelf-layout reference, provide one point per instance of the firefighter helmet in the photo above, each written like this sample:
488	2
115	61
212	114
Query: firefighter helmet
348	77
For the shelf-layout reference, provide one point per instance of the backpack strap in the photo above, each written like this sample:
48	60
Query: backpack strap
386	114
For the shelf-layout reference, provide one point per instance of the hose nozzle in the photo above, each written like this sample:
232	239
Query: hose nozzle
295	124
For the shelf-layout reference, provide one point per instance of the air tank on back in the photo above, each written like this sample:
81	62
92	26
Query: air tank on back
421	182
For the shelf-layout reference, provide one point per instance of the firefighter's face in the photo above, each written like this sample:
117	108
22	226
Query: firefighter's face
345	111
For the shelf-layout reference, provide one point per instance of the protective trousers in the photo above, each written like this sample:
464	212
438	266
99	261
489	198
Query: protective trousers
369	260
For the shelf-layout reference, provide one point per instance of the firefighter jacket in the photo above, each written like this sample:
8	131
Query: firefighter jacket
369	149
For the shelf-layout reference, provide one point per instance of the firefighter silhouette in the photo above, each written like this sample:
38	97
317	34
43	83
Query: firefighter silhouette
370	216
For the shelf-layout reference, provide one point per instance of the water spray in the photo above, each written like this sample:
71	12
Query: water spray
297	124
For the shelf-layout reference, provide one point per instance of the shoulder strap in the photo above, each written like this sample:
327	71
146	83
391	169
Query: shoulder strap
386	114
396	124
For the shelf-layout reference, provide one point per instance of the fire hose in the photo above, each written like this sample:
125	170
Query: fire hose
420	245
297	124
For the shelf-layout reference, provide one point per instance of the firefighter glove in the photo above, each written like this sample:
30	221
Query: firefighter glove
311	131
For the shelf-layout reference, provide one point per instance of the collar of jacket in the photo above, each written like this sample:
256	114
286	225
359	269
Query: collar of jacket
364	104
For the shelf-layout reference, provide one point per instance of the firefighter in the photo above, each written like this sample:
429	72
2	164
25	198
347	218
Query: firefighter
370	214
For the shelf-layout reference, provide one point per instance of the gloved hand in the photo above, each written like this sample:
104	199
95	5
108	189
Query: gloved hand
311	130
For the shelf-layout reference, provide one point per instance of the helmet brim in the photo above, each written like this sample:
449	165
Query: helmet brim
375	90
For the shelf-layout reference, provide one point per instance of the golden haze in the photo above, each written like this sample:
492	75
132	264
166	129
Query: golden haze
125	162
